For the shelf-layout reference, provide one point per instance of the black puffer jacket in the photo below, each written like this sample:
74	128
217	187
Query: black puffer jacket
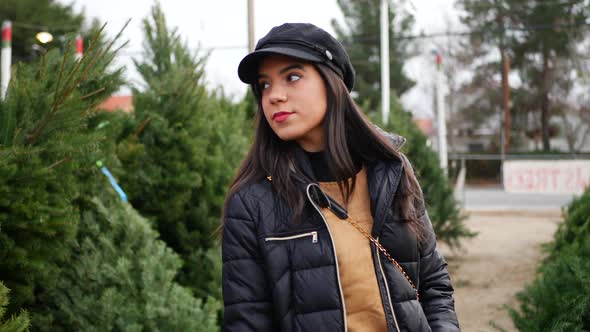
280	276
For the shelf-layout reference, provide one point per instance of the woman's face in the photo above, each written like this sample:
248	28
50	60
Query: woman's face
293	100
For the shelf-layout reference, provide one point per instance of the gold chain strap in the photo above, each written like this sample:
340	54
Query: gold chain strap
384	251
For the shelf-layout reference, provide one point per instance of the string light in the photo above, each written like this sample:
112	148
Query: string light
44	37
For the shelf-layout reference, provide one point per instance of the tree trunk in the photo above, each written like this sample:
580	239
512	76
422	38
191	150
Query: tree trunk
570	134
545	103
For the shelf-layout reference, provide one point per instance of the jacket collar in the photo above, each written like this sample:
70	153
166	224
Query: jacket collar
304	165
383	178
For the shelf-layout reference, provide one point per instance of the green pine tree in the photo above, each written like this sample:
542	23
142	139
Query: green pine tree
438	193
14	324
559	297
179	150
121	278
79	262
43	146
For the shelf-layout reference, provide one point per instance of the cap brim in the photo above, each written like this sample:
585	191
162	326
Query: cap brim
248	68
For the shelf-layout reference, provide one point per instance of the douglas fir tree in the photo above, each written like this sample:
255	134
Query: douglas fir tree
43	147
76	257
179	151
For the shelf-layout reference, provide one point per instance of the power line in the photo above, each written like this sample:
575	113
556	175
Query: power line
45	27
536	2
360	38
523	4
357	38
538	27
200	49
225	48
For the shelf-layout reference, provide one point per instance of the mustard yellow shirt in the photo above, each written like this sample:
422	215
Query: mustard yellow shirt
364	309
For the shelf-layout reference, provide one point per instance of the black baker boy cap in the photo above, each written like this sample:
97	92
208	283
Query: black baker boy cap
302	41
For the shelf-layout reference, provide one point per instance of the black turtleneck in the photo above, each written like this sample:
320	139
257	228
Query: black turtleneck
320	167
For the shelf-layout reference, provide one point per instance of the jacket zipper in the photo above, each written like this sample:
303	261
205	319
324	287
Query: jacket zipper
314	237
335	257
386	286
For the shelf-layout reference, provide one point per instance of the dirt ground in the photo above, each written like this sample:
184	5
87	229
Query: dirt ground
496	264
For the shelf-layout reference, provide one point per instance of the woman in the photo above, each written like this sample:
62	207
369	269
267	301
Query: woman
324	226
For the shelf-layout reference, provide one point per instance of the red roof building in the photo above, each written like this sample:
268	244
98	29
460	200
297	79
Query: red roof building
117	103
425	125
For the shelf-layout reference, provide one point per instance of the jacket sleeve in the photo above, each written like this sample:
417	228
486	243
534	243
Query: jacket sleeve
246	295
436	291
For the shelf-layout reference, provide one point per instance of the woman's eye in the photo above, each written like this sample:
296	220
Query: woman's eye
263	85
293	77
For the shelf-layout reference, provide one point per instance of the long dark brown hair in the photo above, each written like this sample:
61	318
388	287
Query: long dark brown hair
347	133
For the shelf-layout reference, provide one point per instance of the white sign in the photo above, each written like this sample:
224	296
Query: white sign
555	176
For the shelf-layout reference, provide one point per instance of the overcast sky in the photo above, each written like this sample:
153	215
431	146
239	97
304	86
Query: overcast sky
221	26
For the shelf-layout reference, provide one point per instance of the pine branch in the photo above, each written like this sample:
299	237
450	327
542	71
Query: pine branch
74	101
72	82
93	61
141	127
95	92
79	64
61	71
59	162
36	132
43	67
101	52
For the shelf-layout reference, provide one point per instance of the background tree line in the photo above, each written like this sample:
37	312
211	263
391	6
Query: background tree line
546	45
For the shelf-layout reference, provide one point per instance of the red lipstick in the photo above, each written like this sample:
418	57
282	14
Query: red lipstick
281	116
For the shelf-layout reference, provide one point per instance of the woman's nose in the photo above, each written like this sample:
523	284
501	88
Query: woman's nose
277	94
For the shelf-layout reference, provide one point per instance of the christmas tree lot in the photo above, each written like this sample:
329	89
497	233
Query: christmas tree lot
77	254
44	149
179	151
73	254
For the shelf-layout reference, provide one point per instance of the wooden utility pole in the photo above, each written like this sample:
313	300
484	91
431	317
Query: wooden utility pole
505	69
251	44
506	90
